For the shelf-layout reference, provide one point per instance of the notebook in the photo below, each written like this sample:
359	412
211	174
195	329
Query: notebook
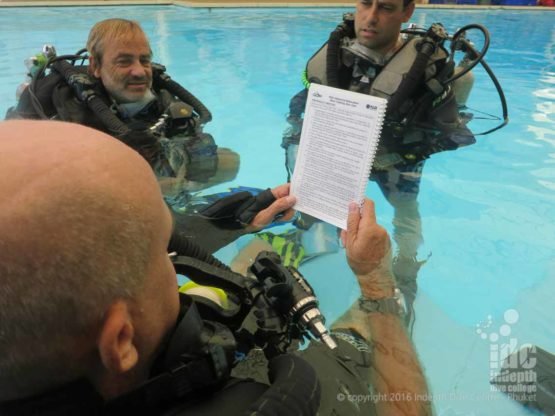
339	139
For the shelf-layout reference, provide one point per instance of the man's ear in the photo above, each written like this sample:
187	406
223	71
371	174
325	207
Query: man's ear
116	343
409	10
94	68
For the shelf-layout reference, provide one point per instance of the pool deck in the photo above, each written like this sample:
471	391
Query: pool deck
240	3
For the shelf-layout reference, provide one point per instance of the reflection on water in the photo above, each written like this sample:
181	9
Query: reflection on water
488	211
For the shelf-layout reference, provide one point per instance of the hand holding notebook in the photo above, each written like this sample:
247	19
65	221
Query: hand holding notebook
339	138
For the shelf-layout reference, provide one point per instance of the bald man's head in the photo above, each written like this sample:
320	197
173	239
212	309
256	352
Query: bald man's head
78	214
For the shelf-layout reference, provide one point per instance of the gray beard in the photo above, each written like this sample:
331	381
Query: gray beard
128	110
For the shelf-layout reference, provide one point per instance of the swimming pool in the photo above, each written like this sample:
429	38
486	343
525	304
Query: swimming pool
488	210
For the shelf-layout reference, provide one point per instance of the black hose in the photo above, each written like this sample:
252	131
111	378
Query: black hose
85	93
164	81
413	77
344	29
108	118
501	97
479	58
332	57
467	47
35	102
186	247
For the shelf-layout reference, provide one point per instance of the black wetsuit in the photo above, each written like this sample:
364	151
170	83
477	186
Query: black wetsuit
183	151
188	146
343	377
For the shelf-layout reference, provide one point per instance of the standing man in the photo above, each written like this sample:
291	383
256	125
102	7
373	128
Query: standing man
367	54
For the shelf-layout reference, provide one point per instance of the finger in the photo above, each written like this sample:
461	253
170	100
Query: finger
343	237
281	191
267	215
353	221
368	214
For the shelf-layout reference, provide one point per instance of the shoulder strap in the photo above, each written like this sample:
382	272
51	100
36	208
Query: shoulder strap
316	66
389	79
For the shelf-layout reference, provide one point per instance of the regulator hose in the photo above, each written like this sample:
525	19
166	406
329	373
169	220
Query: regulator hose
478	57
163	80
331	57
186	247
345	28
82	85
411	81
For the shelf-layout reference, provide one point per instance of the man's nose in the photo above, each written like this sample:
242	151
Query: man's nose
137	69
372	16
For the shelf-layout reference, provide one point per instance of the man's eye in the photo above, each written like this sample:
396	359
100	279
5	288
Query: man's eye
146	61
123	62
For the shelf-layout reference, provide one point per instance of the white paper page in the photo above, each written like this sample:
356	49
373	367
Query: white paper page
339	138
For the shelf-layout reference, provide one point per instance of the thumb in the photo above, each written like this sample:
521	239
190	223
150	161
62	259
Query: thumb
281	205
266	216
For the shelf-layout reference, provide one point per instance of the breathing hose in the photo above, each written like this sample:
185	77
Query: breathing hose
345	28
82	85
411	80
478	57
186	247
332	54
163	80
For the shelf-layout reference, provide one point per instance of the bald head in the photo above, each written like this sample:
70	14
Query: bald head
40	155
77	215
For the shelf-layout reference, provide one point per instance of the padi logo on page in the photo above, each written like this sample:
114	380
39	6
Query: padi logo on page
371	107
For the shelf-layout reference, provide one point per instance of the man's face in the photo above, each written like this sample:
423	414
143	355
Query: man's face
126	70
378	23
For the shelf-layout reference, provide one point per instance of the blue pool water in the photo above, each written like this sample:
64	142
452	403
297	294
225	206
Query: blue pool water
488	210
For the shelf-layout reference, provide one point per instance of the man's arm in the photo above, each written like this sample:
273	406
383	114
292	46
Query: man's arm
212	234
396	374
453	132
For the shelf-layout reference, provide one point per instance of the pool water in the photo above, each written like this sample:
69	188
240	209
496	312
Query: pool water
488	210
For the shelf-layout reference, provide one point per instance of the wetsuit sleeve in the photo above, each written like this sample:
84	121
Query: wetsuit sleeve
344	374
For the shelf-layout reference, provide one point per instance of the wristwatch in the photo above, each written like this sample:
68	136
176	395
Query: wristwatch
395	305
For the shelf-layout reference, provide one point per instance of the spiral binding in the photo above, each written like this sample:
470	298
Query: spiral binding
381	103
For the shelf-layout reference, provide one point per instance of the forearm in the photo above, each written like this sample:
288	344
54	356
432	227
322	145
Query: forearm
396	375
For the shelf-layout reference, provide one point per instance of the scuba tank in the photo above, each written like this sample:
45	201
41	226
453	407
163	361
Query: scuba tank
462	87
34	64
463	76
